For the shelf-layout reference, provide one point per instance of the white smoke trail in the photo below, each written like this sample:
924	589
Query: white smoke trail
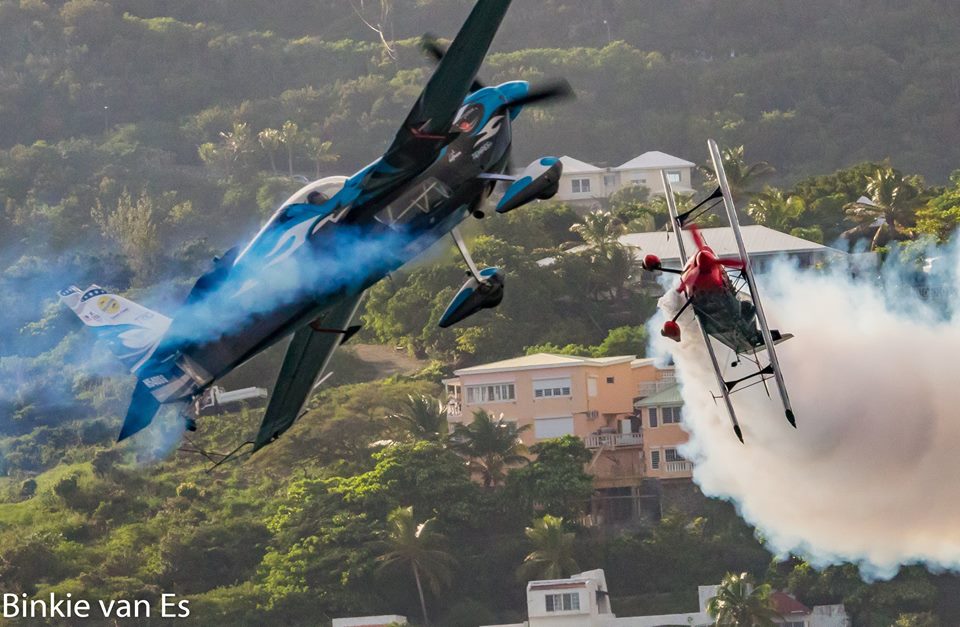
871	474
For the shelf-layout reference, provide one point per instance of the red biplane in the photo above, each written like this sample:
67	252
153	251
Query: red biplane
724	297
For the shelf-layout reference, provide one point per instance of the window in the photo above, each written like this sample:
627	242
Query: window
544	428
563	602
609	180
417	201
653	417
591	386
671	415
547	388
610	379
580	186
655	459
491	393
673	176
671	455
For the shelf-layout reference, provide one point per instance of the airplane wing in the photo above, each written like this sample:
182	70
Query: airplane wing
307	356
426	129
765	331
675	223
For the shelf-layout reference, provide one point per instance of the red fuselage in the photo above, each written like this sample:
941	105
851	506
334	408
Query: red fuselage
703	273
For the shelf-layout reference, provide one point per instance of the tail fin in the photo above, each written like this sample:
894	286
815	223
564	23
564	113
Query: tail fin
132	331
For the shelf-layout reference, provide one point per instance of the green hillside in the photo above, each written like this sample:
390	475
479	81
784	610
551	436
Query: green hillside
139	138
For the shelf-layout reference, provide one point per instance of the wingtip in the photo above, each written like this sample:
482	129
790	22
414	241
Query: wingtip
736	429
791	418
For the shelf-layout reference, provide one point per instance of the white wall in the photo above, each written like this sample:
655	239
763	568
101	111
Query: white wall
829	616
370	621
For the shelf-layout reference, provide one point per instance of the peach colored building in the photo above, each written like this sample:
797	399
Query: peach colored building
659	415
592	398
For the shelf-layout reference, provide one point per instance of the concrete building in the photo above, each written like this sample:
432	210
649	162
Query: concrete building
370	621
591	398
583	600
584	183
659	417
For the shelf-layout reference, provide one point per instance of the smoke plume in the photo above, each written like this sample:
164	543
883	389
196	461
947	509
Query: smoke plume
870	474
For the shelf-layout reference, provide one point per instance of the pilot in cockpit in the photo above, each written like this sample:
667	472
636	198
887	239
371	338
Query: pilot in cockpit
317	198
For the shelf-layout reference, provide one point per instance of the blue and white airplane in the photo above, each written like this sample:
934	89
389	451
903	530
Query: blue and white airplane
305	272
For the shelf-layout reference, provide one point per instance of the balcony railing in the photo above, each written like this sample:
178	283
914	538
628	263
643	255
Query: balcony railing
649	388
613	440
454	409
678	467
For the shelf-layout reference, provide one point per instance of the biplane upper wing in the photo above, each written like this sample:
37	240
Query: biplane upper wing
307	356
768	338
677	225
427	128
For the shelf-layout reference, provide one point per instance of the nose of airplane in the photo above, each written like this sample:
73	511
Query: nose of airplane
514	90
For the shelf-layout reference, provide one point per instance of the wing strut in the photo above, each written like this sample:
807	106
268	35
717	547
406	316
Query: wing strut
465	253
675	222
748	273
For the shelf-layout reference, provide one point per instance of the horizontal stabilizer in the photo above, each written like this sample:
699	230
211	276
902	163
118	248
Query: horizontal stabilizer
768	370
143	407
778	338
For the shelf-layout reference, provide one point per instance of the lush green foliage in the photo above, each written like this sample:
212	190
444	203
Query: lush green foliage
138	139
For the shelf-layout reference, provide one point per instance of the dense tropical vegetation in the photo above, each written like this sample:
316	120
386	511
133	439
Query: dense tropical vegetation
138	139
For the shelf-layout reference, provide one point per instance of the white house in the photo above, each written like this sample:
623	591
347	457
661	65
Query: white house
370	621
645	170
583	601
582	182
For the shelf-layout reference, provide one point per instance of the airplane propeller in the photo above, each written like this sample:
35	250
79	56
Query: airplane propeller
432	48
558	89
553	90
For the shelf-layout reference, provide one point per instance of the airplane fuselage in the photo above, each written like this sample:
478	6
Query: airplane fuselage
308	257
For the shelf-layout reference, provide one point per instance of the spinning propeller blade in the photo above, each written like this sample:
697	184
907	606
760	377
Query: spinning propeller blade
553	90
698	240
432	48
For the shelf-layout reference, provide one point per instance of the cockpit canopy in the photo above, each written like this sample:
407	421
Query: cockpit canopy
328	186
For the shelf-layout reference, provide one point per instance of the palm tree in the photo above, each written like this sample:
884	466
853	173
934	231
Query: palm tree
411	545
270	139
422	417
552	556
739	604
772	209
290	137
321	151
891	197
601	231
741	176
237	142
491	446
614	263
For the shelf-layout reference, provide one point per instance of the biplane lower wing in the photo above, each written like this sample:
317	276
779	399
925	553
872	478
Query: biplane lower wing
307	356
